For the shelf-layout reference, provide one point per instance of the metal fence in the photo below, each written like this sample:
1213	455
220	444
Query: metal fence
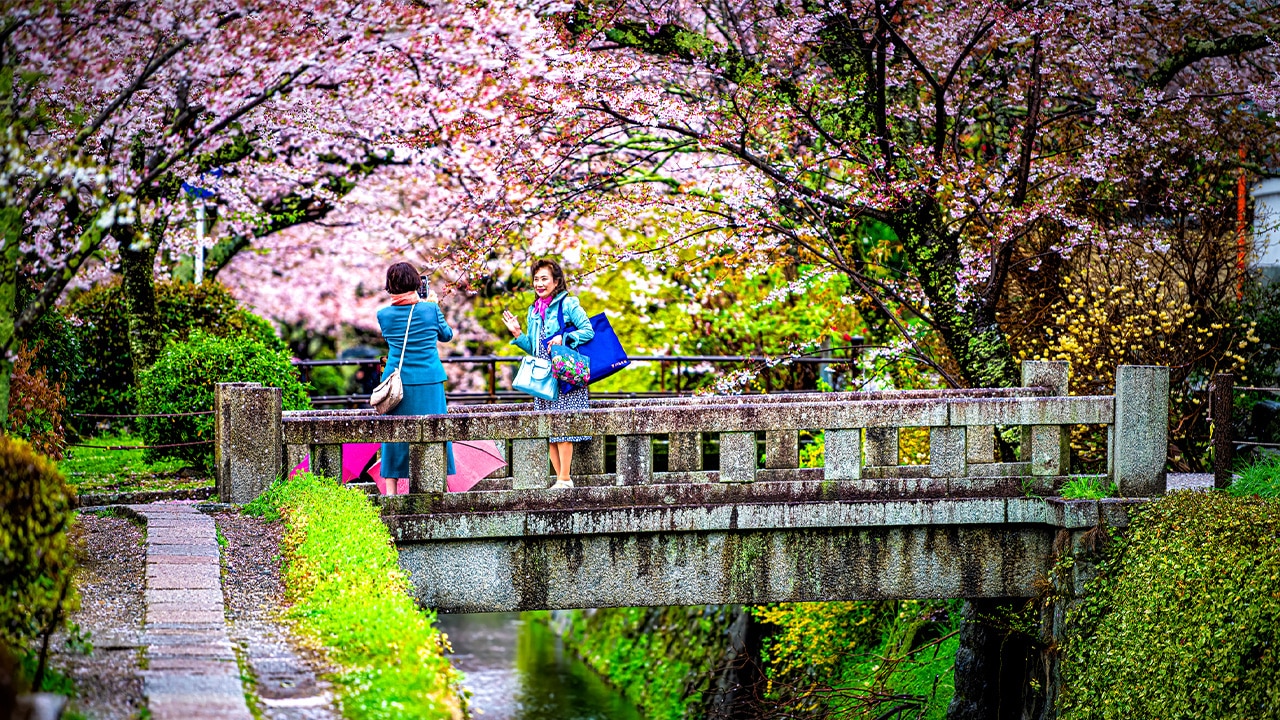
672	376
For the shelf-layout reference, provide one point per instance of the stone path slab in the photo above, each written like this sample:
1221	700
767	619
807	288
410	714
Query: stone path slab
192	672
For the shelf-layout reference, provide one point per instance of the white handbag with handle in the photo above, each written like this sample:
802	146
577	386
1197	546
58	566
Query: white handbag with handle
387	396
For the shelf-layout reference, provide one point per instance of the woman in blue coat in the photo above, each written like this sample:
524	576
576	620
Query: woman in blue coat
543	323
422	373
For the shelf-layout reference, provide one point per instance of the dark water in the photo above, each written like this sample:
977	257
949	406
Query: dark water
520	670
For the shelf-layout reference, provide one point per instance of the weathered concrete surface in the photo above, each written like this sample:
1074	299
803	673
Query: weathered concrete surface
1140	441
248	453
738	553
690	568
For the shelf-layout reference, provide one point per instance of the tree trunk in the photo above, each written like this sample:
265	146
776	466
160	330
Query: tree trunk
10	233
137	266
967	326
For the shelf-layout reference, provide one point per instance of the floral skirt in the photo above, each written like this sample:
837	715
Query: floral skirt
576	399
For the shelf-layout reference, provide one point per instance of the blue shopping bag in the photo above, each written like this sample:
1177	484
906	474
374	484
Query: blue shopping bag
604	350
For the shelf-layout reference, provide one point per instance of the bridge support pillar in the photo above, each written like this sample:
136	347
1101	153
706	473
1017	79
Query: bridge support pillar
588	457
248	439
326	460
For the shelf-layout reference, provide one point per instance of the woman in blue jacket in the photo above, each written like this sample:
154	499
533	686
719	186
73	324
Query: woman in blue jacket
543	321
422	373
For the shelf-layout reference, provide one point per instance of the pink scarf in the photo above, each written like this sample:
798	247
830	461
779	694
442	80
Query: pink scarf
407	298
540	306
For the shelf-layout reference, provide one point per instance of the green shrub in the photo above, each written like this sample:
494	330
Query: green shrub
35	554
348	594
1261	478
107	385
1183	620
54	345
183	378
1088	488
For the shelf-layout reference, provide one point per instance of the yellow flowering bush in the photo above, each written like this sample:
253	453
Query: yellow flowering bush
1098	324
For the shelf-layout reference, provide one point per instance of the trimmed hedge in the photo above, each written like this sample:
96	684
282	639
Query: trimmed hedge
1183	620
348	593
102	328
36	558
183	379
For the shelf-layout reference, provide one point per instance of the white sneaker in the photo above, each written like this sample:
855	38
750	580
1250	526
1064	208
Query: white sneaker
561	484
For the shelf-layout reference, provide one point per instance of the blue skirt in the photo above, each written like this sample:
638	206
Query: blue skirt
418	400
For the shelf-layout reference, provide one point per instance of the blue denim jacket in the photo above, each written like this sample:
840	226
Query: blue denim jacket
573	315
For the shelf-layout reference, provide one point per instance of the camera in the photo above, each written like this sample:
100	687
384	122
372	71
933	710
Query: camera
423	288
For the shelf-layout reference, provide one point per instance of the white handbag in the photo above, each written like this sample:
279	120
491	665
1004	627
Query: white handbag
534	378
390	392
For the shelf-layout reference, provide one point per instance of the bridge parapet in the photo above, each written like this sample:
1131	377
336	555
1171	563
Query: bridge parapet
861	437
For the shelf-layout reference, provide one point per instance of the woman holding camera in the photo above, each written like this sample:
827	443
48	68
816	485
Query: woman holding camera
412	325
543	320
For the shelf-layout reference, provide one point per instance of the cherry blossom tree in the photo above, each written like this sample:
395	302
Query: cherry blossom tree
109	107
987	139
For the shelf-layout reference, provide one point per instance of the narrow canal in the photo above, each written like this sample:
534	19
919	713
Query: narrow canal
520	670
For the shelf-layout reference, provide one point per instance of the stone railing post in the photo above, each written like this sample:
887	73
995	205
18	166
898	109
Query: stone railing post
1140	439
882	446
635	460
428	468
1048	447
842	458
1221	409
684	452
737	457
530	460
248	439
781	449
588	457
948	452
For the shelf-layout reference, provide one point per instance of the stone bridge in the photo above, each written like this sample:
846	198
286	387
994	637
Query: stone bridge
751	530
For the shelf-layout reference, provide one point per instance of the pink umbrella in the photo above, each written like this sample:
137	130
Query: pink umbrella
473	460
355	457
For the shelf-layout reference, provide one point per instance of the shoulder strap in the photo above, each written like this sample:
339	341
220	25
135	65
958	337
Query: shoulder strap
405	348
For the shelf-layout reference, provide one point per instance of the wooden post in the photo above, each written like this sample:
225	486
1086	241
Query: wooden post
1221	411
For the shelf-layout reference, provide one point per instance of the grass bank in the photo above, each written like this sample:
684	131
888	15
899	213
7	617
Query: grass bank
347	594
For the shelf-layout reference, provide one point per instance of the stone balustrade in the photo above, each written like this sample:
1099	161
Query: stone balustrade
256	441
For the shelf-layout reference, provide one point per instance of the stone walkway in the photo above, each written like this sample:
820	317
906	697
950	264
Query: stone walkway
191	672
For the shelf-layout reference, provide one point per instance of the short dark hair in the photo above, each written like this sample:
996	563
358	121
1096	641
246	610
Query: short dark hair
556	274
402	278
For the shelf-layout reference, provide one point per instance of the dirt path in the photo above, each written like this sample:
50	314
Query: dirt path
286	676
111	580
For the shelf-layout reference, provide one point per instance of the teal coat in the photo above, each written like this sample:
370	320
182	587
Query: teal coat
422	364
573	315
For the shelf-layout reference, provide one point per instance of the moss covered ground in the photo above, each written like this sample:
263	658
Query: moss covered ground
348	595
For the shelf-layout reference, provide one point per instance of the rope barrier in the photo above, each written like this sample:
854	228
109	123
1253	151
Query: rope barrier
140	447
145	415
